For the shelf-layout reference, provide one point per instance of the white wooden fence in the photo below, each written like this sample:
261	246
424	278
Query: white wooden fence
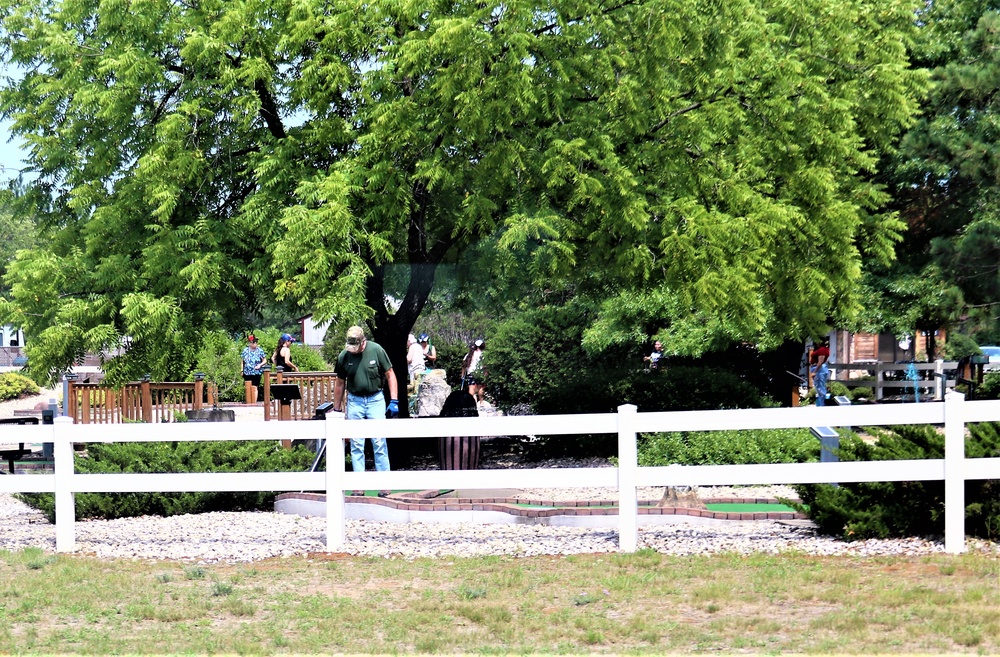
954	468
933	387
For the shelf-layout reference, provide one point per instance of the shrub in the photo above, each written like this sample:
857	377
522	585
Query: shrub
990	388
834	388
680	388
728	447
187	456
15	386
536	358
858	511
219	359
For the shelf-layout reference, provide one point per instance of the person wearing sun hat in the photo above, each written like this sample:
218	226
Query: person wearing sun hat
430	352
283	354
253	360
362	369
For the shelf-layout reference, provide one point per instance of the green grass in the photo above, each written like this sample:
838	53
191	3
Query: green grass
642	603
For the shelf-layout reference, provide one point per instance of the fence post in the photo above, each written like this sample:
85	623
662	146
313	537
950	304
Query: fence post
199	390
628	463
954	476
336	514
879	377
62	438
939	380
265	377
147	400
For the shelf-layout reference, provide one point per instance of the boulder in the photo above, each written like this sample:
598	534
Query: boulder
434	389
681	497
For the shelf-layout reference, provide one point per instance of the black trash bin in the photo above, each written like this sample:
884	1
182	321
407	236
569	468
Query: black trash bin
459	452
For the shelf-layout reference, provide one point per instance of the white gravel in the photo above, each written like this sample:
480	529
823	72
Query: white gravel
245	537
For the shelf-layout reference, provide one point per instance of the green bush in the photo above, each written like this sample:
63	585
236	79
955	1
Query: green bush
728	447
218	358
835	388
187	456
536	358
857	511
990	388
15	386
684	388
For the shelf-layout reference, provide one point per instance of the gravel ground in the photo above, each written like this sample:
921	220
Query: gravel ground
245	537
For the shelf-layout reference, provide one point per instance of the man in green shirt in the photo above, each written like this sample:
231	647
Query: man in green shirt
361	369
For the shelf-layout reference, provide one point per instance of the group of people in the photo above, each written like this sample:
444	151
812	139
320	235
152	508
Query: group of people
254	358
420	355
363	373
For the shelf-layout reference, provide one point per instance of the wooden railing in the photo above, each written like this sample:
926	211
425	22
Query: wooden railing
139	401
314	387
933	381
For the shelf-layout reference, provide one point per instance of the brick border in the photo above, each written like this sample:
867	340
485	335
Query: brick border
429	501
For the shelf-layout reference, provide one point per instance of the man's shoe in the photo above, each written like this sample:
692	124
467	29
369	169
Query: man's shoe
384	493
357	493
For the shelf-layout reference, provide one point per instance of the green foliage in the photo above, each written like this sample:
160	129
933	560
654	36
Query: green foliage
17	232
945	184
218	358
196	162
188	456
536	358
856	511
835	389
728	447
15	386
959	346
990	388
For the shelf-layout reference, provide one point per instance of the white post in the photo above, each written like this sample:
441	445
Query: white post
336	514
62	454
628	464
954	481
939	386
879	376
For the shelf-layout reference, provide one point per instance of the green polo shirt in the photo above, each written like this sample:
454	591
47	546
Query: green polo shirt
363	373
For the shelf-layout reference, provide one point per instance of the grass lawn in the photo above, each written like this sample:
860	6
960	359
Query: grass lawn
643	603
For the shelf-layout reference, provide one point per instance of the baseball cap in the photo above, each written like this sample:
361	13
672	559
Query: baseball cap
423	337
355	336
251	338
479	342
287	336
411	338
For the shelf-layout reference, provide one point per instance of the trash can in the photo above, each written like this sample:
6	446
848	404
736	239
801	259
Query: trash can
459	452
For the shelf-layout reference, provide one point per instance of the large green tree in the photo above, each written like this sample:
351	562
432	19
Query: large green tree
195	158
944	181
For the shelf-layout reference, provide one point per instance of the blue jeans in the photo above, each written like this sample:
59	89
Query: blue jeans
367	408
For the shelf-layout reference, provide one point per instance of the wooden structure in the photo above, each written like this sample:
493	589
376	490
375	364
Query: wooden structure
139	401
315	388
933	382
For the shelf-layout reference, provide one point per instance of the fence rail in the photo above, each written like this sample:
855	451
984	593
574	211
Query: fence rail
315	388
936	383
954	469
140	401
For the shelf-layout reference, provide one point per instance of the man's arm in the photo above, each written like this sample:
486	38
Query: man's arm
390	376
339	401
